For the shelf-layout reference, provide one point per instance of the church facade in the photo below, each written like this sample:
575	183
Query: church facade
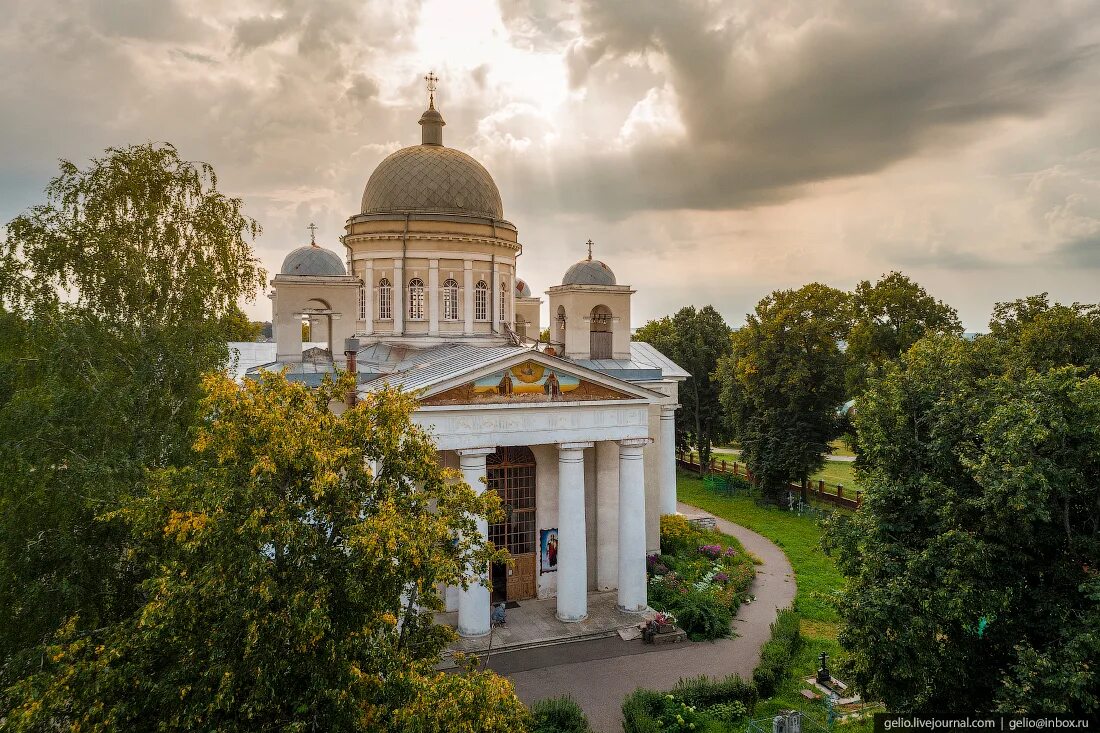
575	434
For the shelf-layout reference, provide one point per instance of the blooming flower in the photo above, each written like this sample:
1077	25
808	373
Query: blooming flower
711	551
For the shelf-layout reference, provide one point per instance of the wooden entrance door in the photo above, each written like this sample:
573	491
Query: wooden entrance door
511	473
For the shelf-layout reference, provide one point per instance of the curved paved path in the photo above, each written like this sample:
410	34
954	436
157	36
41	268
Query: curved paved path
600	684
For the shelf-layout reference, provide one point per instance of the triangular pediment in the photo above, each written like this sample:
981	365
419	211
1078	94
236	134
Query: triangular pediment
532	377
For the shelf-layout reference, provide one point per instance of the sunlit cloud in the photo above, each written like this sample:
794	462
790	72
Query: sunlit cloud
714	150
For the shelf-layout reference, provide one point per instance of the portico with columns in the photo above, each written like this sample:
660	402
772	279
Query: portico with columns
594	494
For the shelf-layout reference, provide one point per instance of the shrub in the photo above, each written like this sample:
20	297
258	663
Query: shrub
558	715
678	535
712	551
776	656
677	715
706	692
703	616
641	710
739	484
726	712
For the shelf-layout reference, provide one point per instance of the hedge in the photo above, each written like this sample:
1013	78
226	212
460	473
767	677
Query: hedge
778	653
640	711
558	715
703	691
642	707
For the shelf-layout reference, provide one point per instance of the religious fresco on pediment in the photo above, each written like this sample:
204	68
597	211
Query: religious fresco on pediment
528	381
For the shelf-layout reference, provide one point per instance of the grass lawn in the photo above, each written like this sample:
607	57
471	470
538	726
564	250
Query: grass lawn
839	472
834	472
840	448
816	574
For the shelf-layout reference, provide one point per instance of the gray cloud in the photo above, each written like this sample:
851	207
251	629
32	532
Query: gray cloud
713	150
770	104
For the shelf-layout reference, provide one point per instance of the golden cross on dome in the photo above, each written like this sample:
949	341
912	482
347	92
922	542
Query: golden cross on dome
589	243
312	233
432	80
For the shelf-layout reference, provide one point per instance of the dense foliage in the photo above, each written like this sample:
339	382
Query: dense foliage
700	578
694	704
776	655
783	382
696	340
887	319
974	565
558	715
116	294
291	572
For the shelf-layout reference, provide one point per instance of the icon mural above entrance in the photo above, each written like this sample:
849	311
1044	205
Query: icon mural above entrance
528	381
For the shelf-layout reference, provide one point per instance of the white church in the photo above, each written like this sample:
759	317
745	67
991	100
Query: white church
575	435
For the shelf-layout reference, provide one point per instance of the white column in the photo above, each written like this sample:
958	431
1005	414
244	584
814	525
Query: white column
632	588
399	286
512	298
667	460
468	297
368	281
473	603
572	539
607	514
433	297
495	303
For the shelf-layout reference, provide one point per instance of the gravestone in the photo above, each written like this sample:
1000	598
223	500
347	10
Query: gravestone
823	676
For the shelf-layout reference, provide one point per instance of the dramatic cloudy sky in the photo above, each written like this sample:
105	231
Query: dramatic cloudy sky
713	150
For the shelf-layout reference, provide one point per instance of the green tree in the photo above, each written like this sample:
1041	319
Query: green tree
115	296
783	382
1032	333
974	565
696	340
238	327
887	319
292	573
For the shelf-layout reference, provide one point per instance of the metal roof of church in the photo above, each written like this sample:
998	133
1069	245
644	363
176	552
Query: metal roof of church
441	362
412	368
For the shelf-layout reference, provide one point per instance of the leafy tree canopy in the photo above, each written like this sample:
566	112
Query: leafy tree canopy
887	319
974	565
783	381
290	584
696	340
1032	333
140	238
115	296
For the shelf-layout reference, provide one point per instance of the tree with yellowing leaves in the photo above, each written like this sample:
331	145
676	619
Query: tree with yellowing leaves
292	571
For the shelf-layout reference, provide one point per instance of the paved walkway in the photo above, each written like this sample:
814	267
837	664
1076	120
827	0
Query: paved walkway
598	678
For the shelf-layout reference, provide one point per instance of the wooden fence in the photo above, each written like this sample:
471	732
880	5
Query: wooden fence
827	493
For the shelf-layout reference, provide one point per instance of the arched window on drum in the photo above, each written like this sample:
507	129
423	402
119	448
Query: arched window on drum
385	300
481	301
450	299
416	299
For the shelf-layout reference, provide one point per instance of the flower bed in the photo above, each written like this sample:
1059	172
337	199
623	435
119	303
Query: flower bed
700	577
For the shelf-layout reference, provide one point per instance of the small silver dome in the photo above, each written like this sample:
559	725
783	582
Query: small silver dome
313	260
589	272
523	290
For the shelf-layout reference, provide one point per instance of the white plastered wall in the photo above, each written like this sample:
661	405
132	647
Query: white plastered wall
297	293
578	301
